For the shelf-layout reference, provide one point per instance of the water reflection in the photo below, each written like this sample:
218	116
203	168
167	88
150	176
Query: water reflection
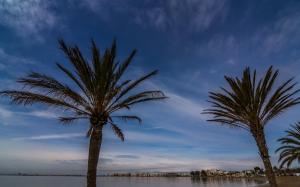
226	181
29	181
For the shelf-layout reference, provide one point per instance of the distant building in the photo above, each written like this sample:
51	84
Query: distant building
173	174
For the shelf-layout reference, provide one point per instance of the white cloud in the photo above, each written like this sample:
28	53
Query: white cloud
156	160
28	17
5	113
42	114
139	137
32	156
8	64
6	116
221	48
184	106
193	15
280	35
7	59
177	104
52	136
104	7
9	117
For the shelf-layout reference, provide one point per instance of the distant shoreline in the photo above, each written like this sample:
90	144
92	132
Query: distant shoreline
57	175
41	175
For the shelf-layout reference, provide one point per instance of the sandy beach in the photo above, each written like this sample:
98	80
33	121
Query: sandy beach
287	182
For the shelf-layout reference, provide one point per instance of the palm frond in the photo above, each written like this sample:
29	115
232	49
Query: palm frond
69	120
290	149
128	118
133	85
89	132
96	59
82	68
250	103
70	75
50	86
99	91
29	98
137	98
117	131
122	68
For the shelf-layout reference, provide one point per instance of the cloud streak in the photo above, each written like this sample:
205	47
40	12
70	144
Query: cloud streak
10	116
51	136
280	35
5	113
184	106
194	15
11	59
29	17
165	15
42	114
8	63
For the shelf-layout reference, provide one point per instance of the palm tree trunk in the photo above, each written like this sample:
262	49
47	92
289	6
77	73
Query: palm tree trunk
94	151
264	154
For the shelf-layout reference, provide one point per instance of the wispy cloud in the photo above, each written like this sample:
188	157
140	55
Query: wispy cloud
27	17
42	114
5	113
185	106
52	136
192	15
279	35
176	103
127	156
168	15
105	8
12	59
176	162
30	154
8	64
32	151
219	47
6	116
139	137
10	116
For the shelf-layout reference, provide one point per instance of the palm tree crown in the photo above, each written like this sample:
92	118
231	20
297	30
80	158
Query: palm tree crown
100	91
290	149
249	104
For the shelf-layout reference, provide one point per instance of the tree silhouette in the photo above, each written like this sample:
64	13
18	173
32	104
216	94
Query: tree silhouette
250	104
100	97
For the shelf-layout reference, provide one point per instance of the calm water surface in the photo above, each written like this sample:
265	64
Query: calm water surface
37	181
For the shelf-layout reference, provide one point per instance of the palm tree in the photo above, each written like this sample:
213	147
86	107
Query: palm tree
290	149
100	93
250	104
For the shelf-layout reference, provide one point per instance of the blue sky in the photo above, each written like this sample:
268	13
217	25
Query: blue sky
192	43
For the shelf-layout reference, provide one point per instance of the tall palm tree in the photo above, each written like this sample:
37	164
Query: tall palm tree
290	149
101	92
250	104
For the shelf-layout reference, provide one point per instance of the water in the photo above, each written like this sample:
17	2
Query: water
41	181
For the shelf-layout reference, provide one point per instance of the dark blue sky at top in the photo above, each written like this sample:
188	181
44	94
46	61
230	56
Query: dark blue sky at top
192	43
